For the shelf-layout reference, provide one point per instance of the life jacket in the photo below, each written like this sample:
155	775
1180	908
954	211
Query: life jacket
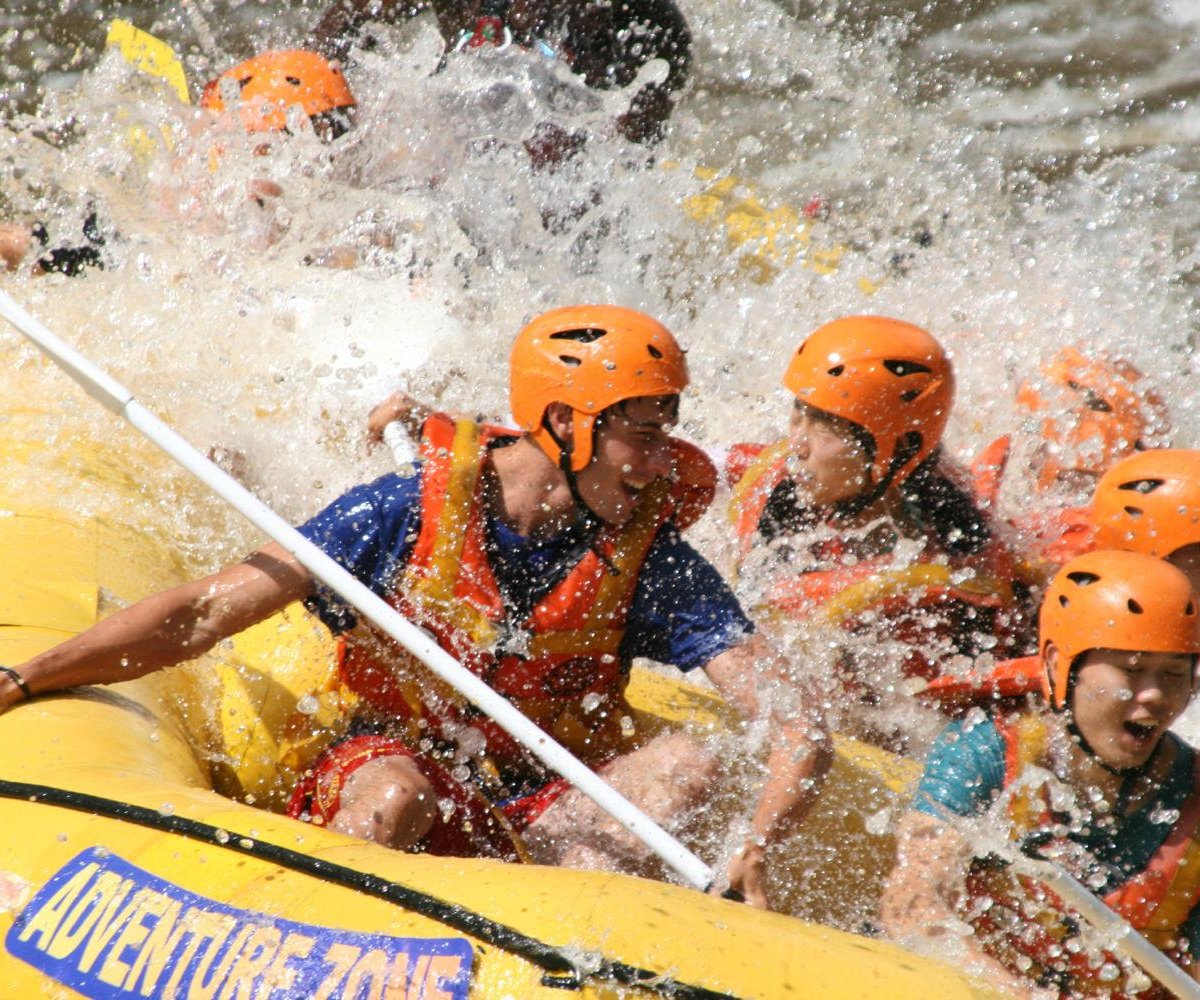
561	666
1053	537
1010	679
851	592
1024	925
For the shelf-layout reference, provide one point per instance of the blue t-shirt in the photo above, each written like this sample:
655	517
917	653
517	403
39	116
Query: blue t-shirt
964	773
682	612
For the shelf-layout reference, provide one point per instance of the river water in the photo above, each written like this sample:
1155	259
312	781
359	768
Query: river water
1014	177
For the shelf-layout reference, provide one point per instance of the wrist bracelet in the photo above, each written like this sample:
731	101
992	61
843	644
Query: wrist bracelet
17	679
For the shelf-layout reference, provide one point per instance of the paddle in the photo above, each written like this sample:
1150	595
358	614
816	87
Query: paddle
119	400
1118	932
149	54
1121	936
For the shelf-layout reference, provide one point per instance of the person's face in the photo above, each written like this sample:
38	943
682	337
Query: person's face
827	461
1187	559
1123	702
632	449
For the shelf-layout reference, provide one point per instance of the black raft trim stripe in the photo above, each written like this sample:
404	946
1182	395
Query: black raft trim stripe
559	969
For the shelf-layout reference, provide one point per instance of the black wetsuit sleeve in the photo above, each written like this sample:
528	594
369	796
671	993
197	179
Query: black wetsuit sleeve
337	31
611	42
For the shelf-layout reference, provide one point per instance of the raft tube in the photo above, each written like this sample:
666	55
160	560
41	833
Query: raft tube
124	871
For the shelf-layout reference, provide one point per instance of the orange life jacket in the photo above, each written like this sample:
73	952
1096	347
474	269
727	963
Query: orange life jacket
1028	928
904	596
566	650
1050	536
1017	678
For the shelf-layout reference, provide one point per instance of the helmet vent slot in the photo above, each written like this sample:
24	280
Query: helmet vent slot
837	370
901	368
1083	578
293	80
908	395
654	351
568	359
1141	485
1133	511
1091	399
584	335
1190	610
1134	607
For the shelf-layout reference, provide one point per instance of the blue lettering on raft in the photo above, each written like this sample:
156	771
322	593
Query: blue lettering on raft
110	930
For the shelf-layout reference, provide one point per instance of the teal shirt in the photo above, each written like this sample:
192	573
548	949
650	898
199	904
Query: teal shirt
965	772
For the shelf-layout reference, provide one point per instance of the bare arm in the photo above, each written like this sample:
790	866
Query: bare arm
411	413
169	627
799	760
919	901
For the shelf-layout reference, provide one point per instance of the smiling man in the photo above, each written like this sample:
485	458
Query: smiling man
546	560
1097	784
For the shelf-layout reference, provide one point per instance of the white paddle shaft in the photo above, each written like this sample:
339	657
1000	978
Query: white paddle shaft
119	400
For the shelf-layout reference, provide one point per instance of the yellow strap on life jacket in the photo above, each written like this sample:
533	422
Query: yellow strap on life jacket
858	597
1027	807
434	587
752	479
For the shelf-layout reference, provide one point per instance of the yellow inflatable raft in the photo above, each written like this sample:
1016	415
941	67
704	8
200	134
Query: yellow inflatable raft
124	872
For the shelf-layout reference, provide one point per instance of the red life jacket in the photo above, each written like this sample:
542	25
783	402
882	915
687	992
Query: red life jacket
568	647
1050	536
954	694
906	597
1027	927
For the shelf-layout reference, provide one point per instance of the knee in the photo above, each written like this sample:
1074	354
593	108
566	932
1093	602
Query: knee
388	801
691	764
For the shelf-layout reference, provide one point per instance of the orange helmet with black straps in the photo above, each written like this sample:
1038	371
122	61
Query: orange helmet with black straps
589	357
1150	502
889	377
1116	600
270	84
1097	409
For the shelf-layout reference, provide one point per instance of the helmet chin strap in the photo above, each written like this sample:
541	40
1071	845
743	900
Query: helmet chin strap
847	508
593	524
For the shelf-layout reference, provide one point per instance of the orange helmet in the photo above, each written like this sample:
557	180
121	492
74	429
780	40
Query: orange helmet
1150	502
268	85
1105	411
1116	600
589	357
889	377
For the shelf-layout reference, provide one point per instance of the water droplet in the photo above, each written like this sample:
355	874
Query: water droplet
167	809
308	705
591	701
222	837
1167	817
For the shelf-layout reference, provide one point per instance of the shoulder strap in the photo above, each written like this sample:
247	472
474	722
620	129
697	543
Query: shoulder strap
1159	900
